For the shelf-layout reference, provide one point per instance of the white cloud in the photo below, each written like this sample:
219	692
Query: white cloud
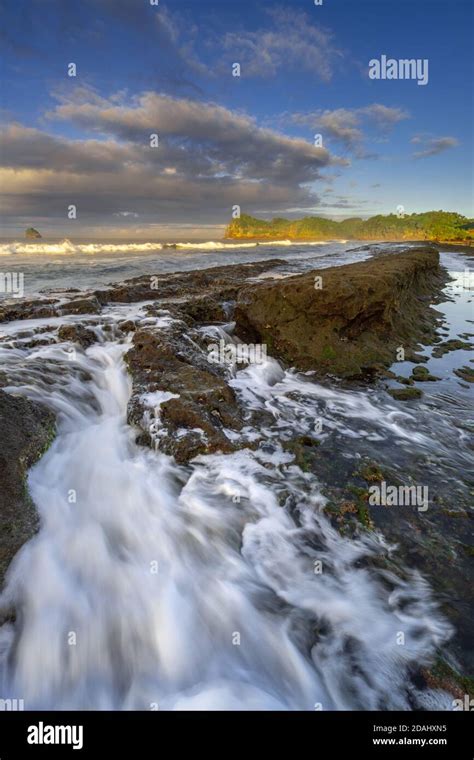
432	146
209	158
349	126
292	41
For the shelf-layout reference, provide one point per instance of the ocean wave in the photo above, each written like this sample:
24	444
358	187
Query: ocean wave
212	245
66	247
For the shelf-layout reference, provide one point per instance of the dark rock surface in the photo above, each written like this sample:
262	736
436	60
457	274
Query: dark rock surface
193	423
405	394
77	334
81	306
32	234
26	431
35	309
358	318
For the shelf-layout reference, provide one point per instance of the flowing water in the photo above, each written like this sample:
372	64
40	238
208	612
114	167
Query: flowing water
157	586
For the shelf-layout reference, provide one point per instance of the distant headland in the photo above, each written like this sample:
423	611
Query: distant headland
431	225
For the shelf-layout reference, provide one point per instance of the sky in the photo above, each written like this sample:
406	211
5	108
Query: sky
151	134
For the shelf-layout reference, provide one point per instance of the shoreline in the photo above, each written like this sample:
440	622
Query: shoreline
453	244
389	301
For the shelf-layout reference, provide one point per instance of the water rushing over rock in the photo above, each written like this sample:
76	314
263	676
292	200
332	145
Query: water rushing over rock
221	581
193	588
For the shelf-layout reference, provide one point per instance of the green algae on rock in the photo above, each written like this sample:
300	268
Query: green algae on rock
465	373
356	321
451	345
405	394
422	375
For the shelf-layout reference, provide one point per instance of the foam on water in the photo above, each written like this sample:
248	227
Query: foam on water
193	587
67	247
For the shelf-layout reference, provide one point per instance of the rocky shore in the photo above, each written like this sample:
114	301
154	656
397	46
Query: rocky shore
344	323
341	321
26	431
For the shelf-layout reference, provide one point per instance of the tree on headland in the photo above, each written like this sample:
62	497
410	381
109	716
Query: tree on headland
431	225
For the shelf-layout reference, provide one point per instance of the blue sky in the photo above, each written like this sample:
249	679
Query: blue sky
226	140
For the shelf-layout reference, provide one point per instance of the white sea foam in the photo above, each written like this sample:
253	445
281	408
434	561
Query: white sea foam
68	247
192	588
213	245
295	401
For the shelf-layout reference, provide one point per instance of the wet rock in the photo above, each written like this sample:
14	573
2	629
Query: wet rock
195	422
442	676
405	394
212	288
205	310
357	319
127	326
35	309
465	373
451	345
217	283
304	449
77	334
36	342
438	542
82	306
26	431
422	375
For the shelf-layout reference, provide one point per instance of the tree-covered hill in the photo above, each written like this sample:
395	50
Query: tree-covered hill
432	225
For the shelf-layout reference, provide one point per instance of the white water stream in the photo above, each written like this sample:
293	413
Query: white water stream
152	585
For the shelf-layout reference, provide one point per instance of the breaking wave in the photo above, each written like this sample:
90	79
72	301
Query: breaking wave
68	248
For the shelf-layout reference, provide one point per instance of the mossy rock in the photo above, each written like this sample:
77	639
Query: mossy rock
405	394
355	324
443	676
422	375
371	473
451	345
302	449
465	373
